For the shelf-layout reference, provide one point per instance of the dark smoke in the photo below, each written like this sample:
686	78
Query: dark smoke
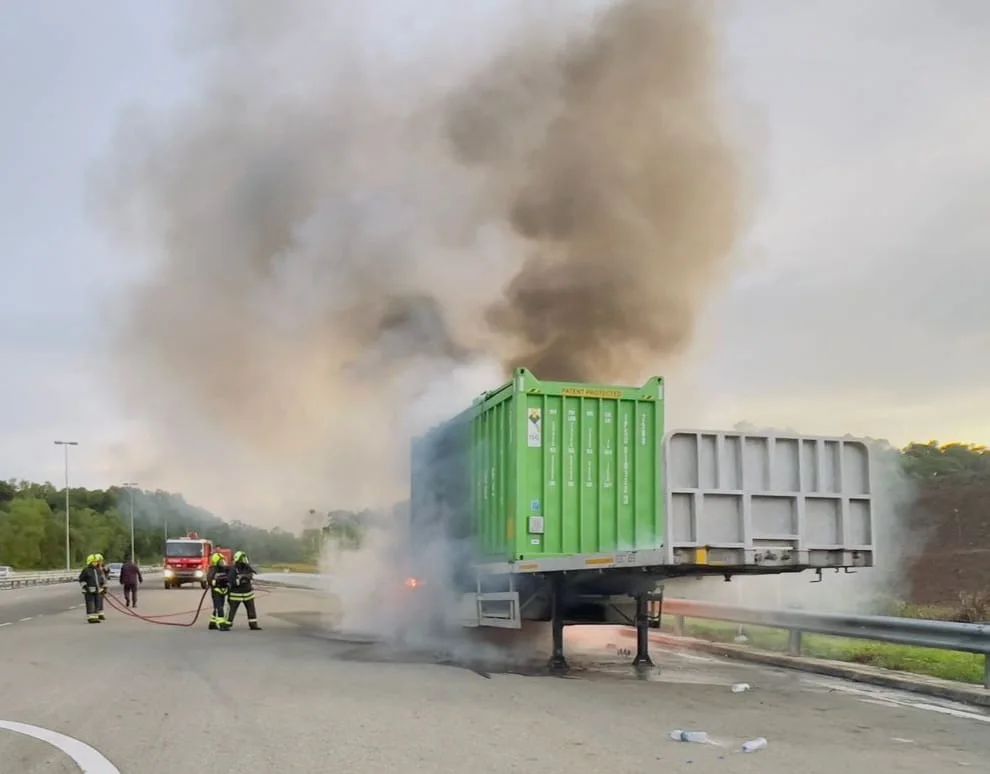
345	240
629	199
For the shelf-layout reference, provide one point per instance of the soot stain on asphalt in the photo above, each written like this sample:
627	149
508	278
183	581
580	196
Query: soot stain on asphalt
373	649
367	648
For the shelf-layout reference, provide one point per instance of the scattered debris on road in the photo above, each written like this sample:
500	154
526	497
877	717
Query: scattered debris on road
699	737
754	744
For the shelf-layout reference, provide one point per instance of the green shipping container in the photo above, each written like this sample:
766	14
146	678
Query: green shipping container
538	469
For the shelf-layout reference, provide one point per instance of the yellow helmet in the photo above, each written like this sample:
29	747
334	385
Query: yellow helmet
91	559
216	559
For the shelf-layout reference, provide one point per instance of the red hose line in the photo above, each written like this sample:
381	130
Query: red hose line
121	607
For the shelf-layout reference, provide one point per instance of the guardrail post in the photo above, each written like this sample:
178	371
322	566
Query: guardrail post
794	643
986	671
679	625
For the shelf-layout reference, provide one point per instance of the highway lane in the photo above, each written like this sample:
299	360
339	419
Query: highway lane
18	605
296	698
31	601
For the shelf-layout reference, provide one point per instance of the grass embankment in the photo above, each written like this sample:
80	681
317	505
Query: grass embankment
292	567
946	664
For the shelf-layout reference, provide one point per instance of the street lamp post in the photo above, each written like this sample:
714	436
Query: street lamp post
130	485
65	445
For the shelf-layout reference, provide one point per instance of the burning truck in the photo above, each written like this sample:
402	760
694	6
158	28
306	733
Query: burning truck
569	503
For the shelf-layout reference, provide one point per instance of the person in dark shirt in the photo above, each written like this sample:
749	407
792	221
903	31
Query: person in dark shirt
130	577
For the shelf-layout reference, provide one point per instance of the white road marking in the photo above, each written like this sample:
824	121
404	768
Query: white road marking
886	697
7	624
931	708
85	757
26	619
692	657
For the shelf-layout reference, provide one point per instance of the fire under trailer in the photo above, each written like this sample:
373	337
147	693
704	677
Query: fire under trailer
574	505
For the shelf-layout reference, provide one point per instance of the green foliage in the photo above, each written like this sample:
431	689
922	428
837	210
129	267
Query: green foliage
346	528
955	462
32	527
946	664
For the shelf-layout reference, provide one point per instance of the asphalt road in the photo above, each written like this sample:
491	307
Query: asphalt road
36	601
298	698
31	601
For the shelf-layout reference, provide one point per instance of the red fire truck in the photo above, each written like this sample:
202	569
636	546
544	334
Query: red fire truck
187	560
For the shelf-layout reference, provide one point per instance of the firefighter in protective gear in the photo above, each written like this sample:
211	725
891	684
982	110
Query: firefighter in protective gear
219	581
241	590
105	574
93	587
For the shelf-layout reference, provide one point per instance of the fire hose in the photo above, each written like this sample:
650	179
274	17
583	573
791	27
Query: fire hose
121	607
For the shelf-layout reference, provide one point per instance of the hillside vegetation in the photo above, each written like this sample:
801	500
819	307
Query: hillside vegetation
32	527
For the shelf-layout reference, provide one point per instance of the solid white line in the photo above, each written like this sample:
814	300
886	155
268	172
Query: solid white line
889	698
930	708
26	619
84	756
9	623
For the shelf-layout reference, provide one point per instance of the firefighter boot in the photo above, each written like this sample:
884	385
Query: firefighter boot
253	626
213	625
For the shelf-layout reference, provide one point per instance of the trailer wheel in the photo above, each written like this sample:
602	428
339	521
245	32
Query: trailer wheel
167	585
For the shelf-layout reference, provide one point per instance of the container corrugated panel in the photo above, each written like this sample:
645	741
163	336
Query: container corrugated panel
556	469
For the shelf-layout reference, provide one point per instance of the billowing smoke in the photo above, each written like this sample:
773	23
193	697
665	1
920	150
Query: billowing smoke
627	199
359	220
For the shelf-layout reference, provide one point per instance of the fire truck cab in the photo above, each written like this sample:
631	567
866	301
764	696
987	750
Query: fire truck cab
187	560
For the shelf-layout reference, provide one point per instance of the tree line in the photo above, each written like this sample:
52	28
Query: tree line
953	463
32	527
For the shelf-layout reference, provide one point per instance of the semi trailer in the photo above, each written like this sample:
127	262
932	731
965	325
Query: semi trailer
568	502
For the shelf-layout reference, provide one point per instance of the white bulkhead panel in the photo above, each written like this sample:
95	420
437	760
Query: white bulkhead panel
758	498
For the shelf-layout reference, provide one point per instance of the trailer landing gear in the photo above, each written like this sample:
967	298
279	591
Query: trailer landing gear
558	664
642	660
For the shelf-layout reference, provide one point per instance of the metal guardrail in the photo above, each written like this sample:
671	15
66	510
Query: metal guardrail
48	577
921	633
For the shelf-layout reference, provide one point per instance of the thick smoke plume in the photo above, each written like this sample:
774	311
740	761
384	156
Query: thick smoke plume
628	202
358	223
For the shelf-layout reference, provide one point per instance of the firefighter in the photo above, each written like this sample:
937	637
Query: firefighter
218	579
101	565
93	587
241	590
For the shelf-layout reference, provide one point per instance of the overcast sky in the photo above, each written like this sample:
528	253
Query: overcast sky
861	297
